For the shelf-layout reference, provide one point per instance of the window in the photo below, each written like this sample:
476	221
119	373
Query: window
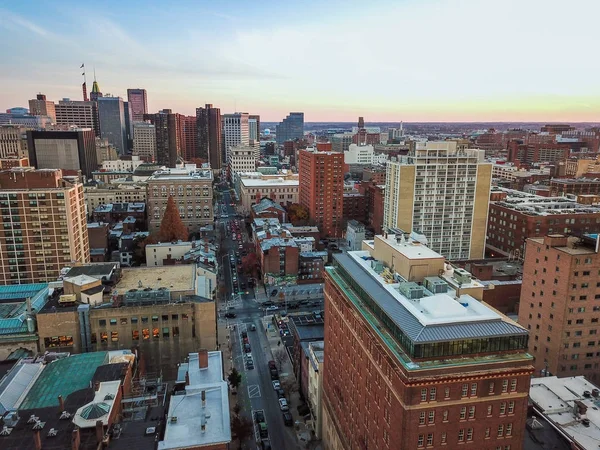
113	321
135	335
431	418
445	416
114	336
165	332
509	429
146	333
443	441
155	333
103	337
463	412
123	320
471	412
504	385
423	395
422	418
154	318
144	320
489	410
184	317
502	408
175	331
513	385
432	393
500	430
474	389
429	439
102	322
461	435
447	393
165	317
470	434
421	440
134	320
465	390
174	316
511	407
491	390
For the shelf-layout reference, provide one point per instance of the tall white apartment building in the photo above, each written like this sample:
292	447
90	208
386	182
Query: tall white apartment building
363	155
441	192
236	132
144	141
241	159
78	113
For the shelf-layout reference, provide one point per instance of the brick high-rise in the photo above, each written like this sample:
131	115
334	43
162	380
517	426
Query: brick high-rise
166	127
321	190
188	133
44	225
209	141
138	103
412	366
42	107
559	304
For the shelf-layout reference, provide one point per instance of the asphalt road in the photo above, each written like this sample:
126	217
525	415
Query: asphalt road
256	390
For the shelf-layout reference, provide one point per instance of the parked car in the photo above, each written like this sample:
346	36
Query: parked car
252	327
262	430
288	420
272	365
247	348
272	308
283	404
280	393
274	374
276	384
250	365
244	334
259	416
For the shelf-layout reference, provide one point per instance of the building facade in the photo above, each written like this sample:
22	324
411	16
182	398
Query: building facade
321	179
188	134
167	136
210	141
192	190
558	304
401	371
111	114
79	114
69	150
96	196
13	141
235	132
281	190
241	159
138	104
443	193
144	141
42	107
44	225
560	187
290	128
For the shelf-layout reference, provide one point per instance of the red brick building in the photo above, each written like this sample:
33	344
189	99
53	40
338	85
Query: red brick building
384	389
539	152
559	305
374	174
374	200
187	136
354	207
321	188
562	187
520	216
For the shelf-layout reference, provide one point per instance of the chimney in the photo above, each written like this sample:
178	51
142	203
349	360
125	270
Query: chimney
203	395
203	358
96	386
187	378
61	403
75	439
99	431
37	440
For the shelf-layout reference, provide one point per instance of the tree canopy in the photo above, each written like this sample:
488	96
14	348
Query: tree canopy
172	227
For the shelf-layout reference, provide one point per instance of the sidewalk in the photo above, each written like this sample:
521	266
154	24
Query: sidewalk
286	374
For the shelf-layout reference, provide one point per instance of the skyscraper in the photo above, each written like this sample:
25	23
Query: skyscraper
414	359
321	191
95	94
188	133
42	107
111	113
68	150
138	102
78	113
144	141
235	133
290	128
210	142
167	136
442	192
44	225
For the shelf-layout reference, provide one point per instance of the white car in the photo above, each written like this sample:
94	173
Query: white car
271	308
283	405
276	384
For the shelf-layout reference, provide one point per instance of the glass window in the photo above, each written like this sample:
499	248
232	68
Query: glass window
102	322
154	318
174	316
114	336
135	335
423	395
165	317
144	320
123	320
103	337
113	321
146	333
463	412
432	393
166	332
422	418
156	333
175	331
465	390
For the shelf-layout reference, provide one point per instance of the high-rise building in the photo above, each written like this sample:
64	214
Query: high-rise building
138	102
290	128
235	132
559	297
192	190
241	159
95	94
68	150
412	352
44	225
128	126
167	136
78	113
321	176
144	141
254	127
13	141
188	134
111	113
42	107
210	142
442	192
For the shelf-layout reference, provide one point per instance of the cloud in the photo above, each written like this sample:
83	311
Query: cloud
15	21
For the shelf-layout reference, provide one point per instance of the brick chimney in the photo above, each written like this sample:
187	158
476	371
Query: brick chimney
75	439
203	358
61	403
99	431
37	440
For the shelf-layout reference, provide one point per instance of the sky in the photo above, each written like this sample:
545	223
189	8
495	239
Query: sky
410	60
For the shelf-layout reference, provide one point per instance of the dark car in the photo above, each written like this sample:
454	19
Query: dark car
272	365
259	416
230	315
247	348
273	292
274	374
280	393
288	420
244	334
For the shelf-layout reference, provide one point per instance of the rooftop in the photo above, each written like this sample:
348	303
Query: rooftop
575	180
567	403
537	205
13	305
265	204
81	280
575	245
268	243
102	271
253	182
199	415
175	278
188	172
121	208
409	248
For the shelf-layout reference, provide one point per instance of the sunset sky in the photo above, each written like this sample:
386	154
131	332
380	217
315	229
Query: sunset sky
411	60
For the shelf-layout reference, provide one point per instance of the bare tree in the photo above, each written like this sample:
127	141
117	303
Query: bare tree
289	385
241	428
279	356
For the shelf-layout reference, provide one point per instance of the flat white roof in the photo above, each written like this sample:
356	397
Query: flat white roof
410	249
272	182
555	398
436	309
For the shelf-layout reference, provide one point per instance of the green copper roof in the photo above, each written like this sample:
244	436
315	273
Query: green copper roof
95	88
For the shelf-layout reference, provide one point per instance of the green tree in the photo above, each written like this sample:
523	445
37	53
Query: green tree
234	378
171	226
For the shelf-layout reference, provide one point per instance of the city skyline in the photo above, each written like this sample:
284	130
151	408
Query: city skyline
389	61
